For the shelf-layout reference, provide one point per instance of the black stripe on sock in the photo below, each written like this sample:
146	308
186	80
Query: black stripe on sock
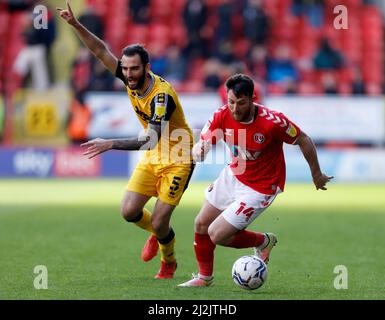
168	238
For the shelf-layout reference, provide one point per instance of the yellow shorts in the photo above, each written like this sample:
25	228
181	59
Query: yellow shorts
166	182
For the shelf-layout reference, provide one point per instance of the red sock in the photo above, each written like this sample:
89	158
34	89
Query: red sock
204	252
246	239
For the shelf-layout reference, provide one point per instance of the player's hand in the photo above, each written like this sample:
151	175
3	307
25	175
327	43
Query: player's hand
200	150
68	15
320	180
96	146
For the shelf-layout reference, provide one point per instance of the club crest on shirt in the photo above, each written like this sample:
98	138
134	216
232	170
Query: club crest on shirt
259	138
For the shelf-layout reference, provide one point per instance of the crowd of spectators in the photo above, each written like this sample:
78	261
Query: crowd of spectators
287	46
219	34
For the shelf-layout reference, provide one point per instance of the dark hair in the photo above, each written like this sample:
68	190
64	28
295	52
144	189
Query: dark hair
241	85
138	49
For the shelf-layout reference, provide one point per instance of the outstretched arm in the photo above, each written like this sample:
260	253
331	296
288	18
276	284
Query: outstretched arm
310	153
92	42
144	142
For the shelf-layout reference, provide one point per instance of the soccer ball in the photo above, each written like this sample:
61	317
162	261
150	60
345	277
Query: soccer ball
249	272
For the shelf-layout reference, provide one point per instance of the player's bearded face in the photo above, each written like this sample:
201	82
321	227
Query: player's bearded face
240	107
134	72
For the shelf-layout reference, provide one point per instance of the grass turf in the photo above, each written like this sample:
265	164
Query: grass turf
74	228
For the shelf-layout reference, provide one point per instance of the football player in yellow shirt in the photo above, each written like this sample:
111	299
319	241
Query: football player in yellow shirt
166	166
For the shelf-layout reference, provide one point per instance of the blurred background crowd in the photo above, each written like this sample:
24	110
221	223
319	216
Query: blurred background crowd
288	46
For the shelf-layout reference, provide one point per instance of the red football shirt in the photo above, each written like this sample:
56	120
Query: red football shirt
256	147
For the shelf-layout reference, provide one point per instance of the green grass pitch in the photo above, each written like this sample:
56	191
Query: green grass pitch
74	228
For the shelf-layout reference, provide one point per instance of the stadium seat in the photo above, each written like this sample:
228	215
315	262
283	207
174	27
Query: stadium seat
344	88
137	33
275	89
241	48
161	11
178	35
309	88
159	32
373	89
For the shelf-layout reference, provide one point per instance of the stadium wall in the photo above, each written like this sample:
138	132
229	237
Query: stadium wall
326	119
355	165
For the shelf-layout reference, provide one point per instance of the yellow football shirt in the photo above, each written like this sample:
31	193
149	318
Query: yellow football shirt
160	105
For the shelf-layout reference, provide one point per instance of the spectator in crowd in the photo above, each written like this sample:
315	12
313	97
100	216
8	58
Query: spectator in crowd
290	87
255	21
139	11
257	62
327	58
195	15
78	121
81	73
281	67
92	22
312	9
358	86
34	56
175	71
101	79
329	83
212	70
224	52
158	60
80	115
238	68
19	5
225	12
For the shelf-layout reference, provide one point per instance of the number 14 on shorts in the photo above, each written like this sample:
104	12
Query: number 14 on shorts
248	212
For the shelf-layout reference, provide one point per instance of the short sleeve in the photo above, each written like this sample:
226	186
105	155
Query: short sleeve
285	130
162	108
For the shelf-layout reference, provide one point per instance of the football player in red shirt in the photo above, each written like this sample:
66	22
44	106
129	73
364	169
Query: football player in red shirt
245	188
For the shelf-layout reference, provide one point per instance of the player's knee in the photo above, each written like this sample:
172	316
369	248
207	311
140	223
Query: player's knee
214	235
129	213
201	225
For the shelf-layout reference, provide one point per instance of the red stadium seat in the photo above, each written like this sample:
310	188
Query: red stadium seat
309	88
373	89
275	89
178	35
241	48
345	88
137	33
161	11
159	32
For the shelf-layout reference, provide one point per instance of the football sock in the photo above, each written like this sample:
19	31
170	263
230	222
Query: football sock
144	220
166	247
246	239
204	252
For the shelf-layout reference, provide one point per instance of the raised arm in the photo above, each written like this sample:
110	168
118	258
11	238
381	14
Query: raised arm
310	153
92	42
